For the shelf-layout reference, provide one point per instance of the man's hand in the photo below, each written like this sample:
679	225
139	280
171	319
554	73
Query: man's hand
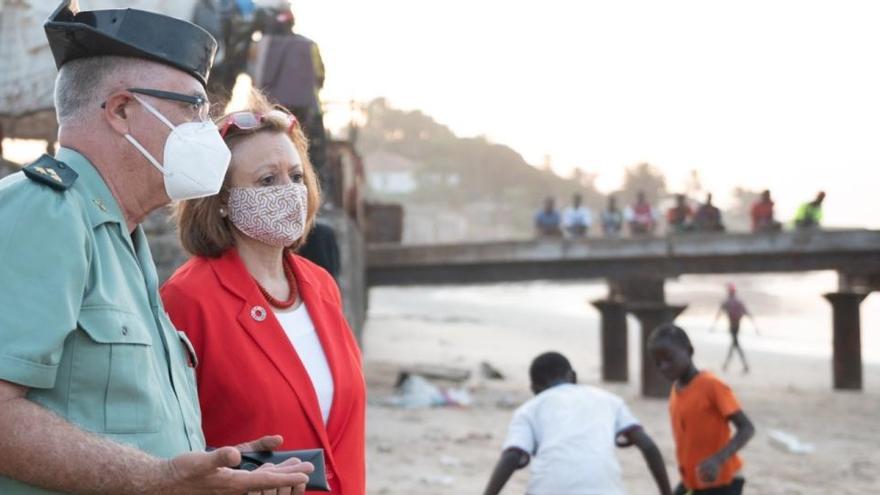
709	469
212	473
68	459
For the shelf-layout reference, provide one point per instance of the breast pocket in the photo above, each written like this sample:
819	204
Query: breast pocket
118	351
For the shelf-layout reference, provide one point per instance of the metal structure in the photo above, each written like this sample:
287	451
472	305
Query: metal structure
636	270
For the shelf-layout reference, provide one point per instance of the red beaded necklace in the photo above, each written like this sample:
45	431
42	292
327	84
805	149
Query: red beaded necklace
291	282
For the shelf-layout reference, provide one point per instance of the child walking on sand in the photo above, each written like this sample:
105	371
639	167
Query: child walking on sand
701	407
571	431
735	310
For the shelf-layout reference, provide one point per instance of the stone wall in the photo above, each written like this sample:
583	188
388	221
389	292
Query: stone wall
7	167
352	273
167	251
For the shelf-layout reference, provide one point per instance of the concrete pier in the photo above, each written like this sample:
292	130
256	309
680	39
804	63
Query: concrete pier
847	341
650	316
614	340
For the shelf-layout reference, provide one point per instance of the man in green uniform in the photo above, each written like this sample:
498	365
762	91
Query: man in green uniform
97	388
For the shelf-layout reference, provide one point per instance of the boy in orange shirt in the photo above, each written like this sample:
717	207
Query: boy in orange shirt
700	407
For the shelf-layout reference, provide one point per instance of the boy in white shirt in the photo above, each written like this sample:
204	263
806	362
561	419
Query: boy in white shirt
571	431
577	218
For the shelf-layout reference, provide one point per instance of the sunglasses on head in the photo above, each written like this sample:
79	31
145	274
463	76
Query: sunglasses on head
249	121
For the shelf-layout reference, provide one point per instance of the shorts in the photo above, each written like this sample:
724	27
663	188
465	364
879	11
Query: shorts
734	488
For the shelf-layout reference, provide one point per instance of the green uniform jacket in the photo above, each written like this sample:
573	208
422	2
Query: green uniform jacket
81	322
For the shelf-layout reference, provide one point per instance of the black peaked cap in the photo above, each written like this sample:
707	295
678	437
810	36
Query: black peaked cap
130	33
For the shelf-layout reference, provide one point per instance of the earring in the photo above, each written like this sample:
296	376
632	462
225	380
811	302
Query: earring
222	212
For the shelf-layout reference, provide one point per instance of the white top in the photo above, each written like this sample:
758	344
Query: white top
577	217
570	430
298	326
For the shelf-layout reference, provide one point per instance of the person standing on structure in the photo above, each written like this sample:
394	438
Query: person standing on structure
290	71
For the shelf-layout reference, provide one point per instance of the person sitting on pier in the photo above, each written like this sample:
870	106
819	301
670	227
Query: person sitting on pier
571	430
809	215
641	216
701	408
577	218
547	220
612	219
708	217
762	215
735	310
679	216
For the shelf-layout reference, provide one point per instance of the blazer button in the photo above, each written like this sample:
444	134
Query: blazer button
124	330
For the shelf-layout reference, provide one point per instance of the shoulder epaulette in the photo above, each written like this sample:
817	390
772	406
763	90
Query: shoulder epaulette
49	171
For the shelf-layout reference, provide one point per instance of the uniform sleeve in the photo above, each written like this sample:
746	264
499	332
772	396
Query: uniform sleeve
44	257
520	434
725	400
624	419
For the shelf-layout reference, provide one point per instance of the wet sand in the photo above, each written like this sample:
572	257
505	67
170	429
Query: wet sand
453	450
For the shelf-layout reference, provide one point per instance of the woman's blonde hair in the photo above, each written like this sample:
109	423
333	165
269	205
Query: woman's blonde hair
203	229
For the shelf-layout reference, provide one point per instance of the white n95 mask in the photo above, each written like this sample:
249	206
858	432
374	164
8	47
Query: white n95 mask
195	157
274	215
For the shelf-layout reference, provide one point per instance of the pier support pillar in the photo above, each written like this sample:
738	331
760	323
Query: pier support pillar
847	342
614	341
650	316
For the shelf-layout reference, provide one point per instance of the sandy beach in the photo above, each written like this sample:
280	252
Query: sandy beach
452	450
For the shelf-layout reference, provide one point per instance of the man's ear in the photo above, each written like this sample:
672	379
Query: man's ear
116	112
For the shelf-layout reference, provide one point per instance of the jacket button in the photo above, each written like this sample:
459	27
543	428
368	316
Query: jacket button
124	330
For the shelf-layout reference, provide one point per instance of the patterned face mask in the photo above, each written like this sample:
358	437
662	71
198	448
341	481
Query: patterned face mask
274	215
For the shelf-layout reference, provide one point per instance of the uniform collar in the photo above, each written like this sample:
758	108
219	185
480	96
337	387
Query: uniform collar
101	206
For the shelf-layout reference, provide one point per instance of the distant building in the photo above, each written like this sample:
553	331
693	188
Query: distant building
390	174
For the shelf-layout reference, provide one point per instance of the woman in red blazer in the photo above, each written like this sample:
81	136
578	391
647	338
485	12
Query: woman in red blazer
275	354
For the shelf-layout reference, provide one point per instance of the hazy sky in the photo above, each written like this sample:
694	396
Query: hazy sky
778	94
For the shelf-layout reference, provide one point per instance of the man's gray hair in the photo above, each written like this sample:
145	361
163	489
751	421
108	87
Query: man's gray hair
83	84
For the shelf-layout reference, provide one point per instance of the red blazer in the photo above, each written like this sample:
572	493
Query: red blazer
250	379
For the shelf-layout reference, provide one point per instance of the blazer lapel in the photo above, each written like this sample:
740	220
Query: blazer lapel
259	322
326	315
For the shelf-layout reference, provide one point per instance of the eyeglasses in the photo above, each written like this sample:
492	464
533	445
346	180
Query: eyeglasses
198	103
250	121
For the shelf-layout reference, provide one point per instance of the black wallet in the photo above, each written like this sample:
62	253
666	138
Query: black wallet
318	477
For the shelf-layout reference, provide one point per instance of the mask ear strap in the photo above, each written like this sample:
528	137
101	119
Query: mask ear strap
153	111
146	154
